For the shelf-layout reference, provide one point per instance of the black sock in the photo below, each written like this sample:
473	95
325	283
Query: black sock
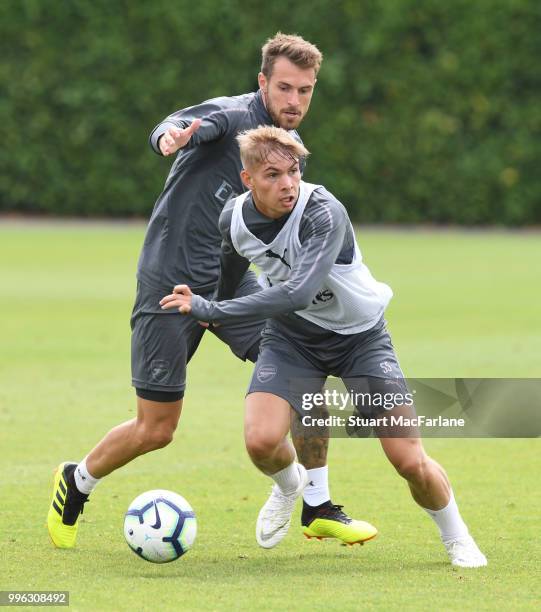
309	513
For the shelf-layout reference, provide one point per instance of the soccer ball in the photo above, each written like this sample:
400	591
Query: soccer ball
160	526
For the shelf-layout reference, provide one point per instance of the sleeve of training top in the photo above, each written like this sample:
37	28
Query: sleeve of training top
232	265
324	228
214	124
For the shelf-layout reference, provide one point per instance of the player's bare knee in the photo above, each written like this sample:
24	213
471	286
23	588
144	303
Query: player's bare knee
153	438
413	468
162	437
260	445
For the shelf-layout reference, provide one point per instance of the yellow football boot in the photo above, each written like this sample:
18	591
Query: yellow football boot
66	506
328	521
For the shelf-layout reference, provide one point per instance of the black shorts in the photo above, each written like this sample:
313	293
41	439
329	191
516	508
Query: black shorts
163	342
295	370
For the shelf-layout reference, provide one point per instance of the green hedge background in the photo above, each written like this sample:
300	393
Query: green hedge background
425	111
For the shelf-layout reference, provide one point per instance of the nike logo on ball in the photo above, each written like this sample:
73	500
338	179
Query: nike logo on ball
158	522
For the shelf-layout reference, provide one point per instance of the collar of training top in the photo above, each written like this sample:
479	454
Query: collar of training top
260	111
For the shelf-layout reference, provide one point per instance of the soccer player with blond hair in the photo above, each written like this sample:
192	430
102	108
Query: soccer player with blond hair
325	316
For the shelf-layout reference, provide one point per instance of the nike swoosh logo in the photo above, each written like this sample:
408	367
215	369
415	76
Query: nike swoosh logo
158	522
268	536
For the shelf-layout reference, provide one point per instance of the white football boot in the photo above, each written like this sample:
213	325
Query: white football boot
464	552
275	516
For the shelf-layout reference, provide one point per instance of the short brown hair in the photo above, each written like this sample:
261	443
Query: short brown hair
297	50
256	145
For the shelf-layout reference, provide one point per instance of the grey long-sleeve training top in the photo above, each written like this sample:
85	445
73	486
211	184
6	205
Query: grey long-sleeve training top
182	243
324	225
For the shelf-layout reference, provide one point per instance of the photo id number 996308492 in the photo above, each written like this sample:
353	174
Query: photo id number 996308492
34	598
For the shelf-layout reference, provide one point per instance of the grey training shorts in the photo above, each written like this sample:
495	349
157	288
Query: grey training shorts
164	341
293	366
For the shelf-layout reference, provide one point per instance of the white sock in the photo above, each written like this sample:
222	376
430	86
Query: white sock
449	521
317	491
287	479
84	480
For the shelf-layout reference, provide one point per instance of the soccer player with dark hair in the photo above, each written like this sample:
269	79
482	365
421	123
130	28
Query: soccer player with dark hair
325	317
182	245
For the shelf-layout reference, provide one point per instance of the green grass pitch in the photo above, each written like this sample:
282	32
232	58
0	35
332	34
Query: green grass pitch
466	304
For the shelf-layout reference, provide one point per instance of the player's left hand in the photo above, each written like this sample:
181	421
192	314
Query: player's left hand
181	298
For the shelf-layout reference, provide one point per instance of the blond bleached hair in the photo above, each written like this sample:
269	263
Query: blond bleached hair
297	50
258	144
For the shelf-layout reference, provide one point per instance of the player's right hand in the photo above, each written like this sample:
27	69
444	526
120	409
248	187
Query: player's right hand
181	298
174	138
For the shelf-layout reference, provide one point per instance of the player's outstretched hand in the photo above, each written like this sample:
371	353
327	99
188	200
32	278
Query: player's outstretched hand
181	298
174	139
